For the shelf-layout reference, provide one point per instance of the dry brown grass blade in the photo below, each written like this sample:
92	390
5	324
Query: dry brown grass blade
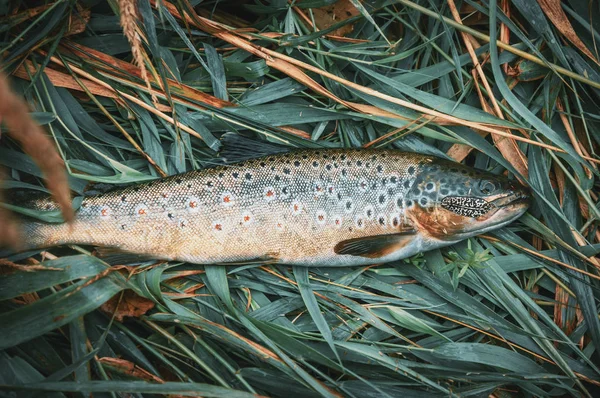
129	368
60	79
554	12
15	114
507	146
178	89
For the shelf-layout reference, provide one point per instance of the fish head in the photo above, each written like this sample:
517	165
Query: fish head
451	202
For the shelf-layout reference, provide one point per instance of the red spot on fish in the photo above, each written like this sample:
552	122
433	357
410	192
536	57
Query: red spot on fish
104	212
193	204
270	193
141	212
246	218
219	227
226	198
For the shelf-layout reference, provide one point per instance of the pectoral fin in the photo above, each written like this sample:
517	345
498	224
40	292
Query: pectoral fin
374	246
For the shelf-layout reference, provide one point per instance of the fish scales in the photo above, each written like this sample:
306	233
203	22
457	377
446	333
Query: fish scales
310	207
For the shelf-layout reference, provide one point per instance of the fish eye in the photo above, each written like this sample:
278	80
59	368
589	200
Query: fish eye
487	187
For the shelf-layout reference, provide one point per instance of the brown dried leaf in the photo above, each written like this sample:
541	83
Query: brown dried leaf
127	304
332	14
15	114
555	13
78	20
129	369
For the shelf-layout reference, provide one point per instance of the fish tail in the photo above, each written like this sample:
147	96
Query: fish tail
37	235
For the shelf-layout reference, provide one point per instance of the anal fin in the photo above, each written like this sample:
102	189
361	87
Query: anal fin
376	246
116	256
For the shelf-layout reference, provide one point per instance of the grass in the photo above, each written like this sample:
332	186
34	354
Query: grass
513	313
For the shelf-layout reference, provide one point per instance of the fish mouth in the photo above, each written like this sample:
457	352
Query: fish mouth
510	206
518	198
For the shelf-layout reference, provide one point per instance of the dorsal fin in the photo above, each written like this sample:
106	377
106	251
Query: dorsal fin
374	246
237	148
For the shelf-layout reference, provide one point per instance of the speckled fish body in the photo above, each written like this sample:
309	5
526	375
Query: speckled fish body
333	207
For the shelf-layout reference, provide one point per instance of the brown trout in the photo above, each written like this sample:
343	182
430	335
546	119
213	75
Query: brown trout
328	207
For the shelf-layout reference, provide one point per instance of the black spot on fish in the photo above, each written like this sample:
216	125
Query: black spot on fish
429	186
349	205
221	175
297	163
170	215
399	202
374	186
272	168
373	158
286	171
210	184
123	198
411	170
137	189
344	172
235	174
335	165
315	164
328	167
271	159
339	196
358	163
262	164
277	178
367	165
423	201
417	191
123	226
444	191
409	203
248	176
285	190
325	156
189	185
407	184
381	199
381	220
453	170
390	191
379	168
394	179
304	157
460	192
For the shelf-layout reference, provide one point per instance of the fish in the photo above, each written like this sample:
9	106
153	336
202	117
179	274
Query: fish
308	207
